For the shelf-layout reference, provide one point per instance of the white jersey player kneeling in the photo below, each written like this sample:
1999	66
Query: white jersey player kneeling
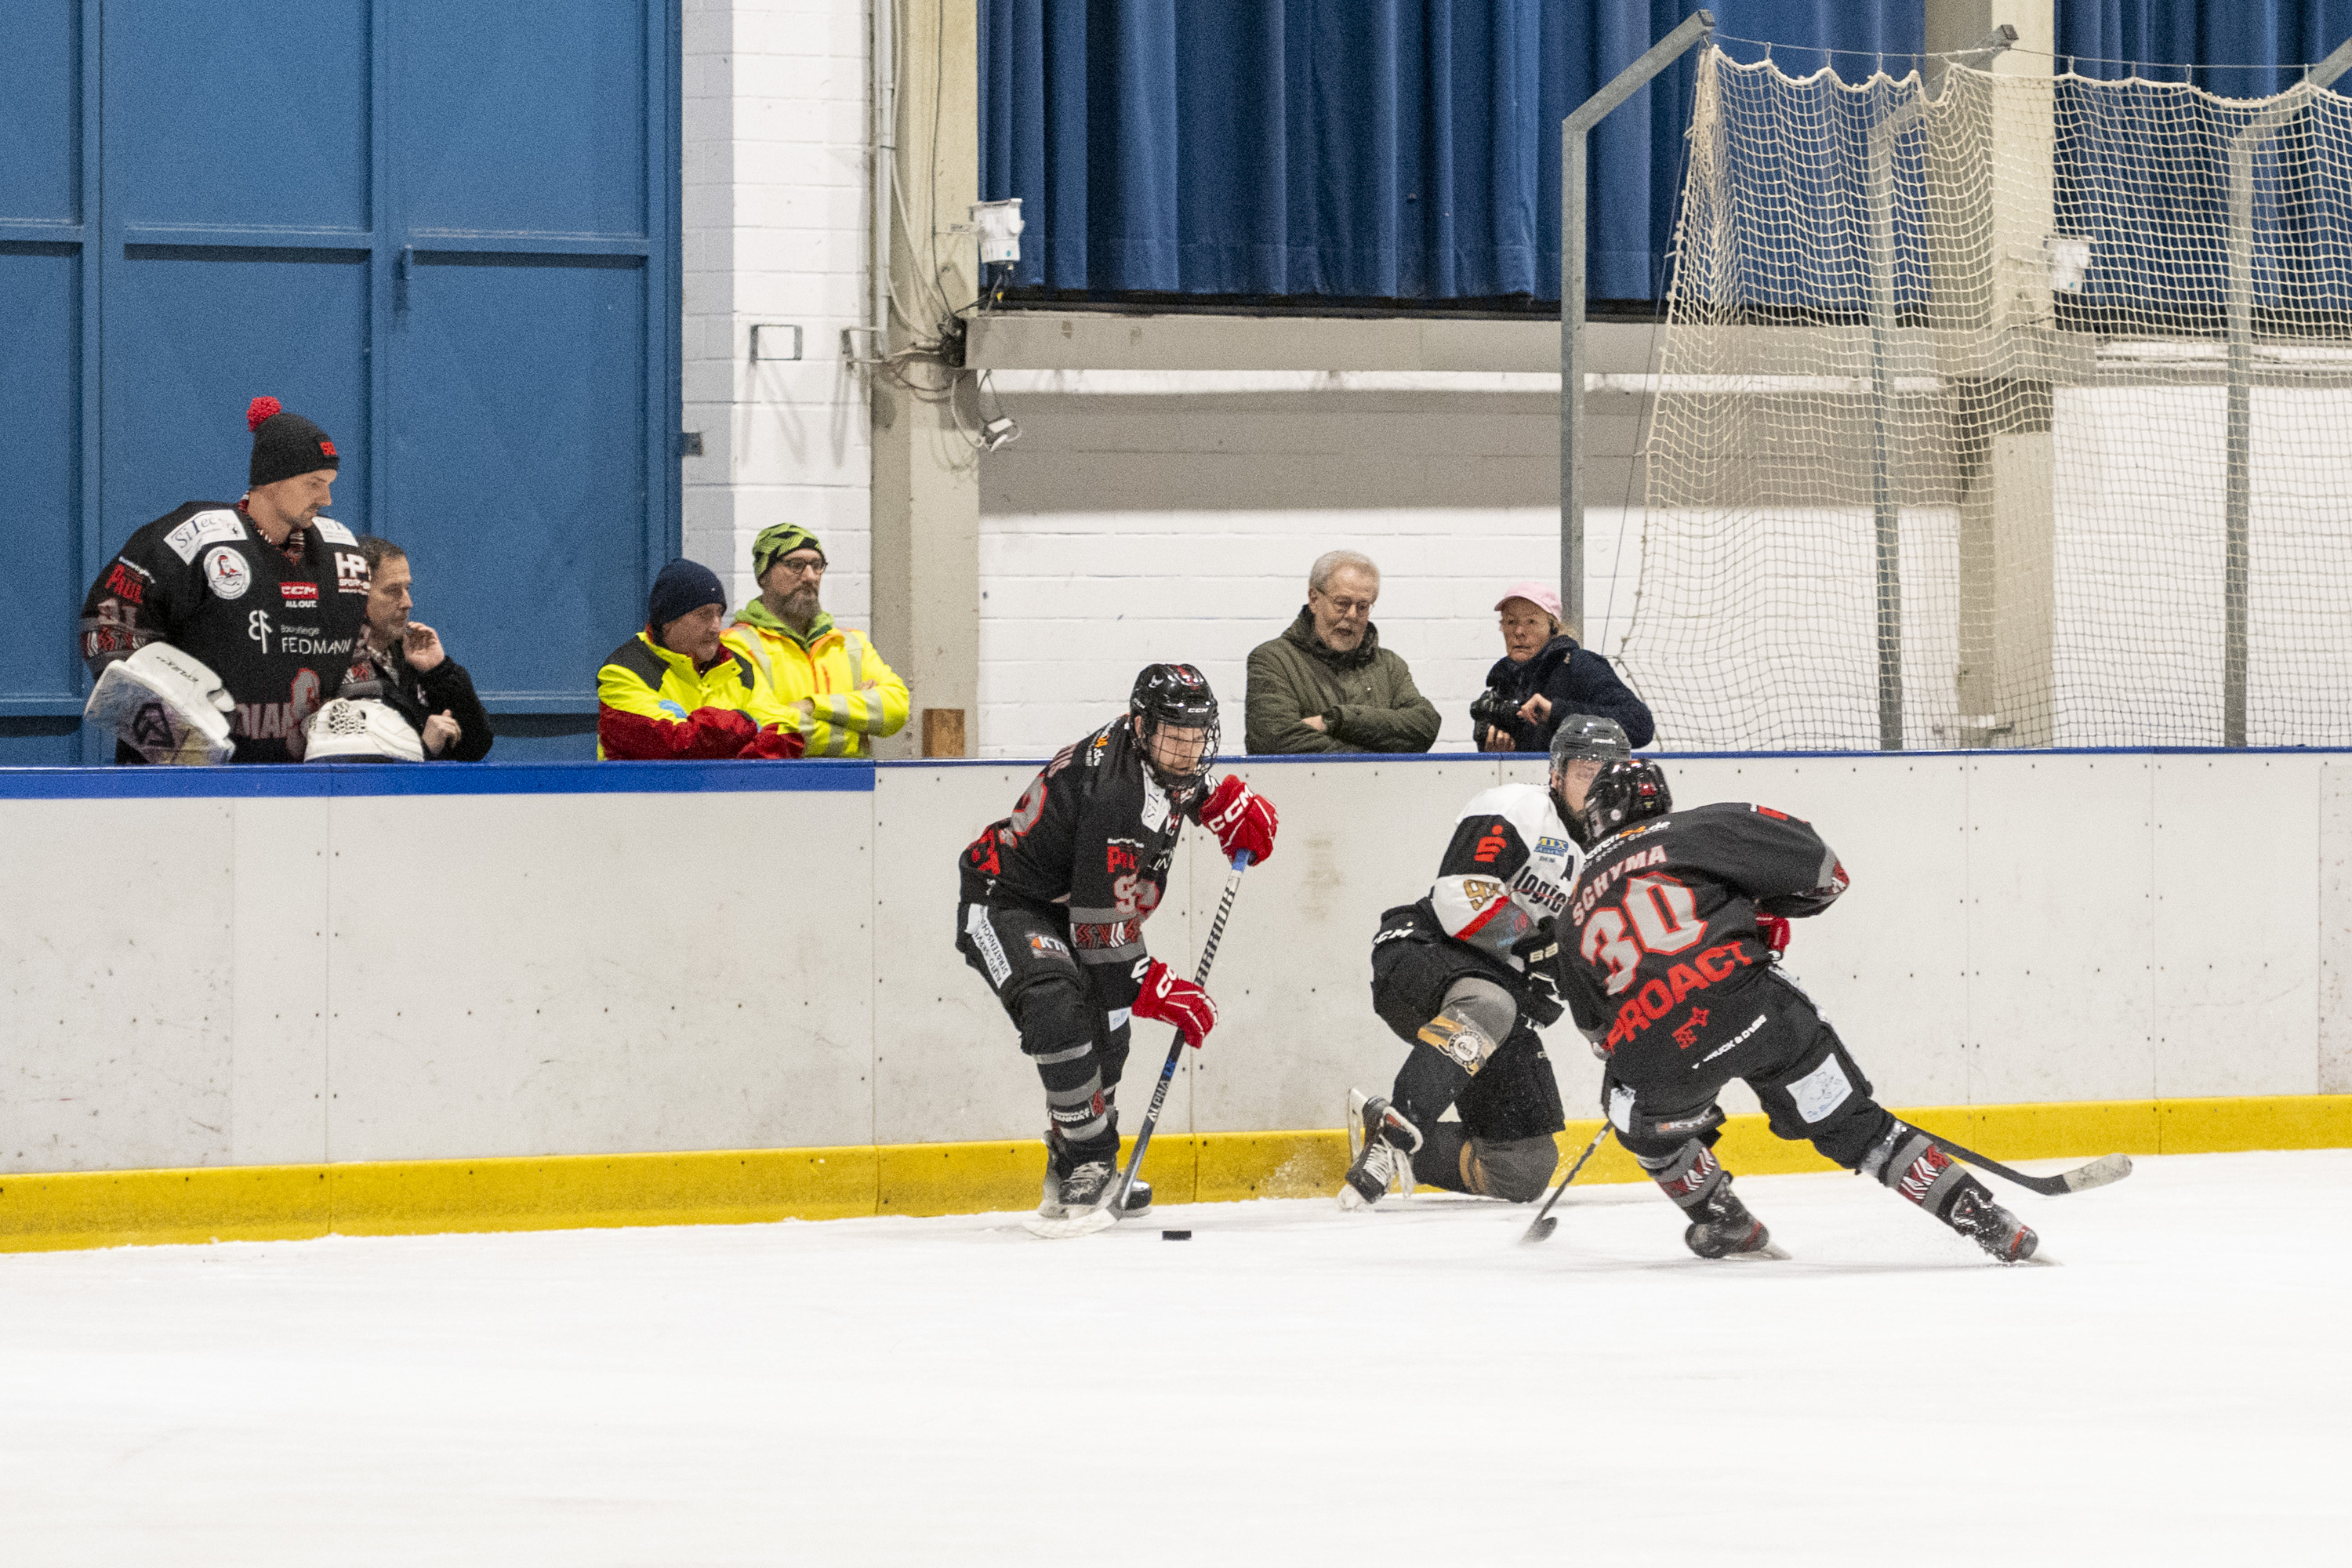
1463	975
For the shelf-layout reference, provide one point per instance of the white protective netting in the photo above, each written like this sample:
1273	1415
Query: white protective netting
1942	451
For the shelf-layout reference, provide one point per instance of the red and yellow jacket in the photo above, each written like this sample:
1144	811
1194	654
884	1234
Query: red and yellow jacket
831	668
654	705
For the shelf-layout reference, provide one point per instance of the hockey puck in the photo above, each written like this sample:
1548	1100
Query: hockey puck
1175	1235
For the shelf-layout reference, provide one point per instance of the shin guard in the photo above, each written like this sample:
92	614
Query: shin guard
1908	1161
1689	1175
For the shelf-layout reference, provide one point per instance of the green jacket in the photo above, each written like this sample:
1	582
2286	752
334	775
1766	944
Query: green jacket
1366	697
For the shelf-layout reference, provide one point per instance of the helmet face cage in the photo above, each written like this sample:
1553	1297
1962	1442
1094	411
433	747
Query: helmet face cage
1623	794
1174	695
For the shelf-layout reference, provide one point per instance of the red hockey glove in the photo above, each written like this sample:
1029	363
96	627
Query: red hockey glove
1169	998
1773	931
1241	818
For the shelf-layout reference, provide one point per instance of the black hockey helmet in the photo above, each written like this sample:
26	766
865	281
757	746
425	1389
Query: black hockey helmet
1582	737
1174	695
1623	794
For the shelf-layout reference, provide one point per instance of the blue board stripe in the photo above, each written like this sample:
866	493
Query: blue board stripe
436	778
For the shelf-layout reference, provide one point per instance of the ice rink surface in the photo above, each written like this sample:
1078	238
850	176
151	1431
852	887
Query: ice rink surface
1292	1385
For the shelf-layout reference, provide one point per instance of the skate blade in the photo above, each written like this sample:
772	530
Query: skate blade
1771	1252
1084	1223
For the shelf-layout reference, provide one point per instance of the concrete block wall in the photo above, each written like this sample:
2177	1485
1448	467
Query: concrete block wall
1124	528
776	225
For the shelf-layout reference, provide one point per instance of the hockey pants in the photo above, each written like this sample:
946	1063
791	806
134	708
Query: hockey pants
1810	1085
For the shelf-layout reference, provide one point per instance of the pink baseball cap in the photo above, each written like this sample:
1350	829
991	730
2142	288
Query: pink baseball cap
1542	596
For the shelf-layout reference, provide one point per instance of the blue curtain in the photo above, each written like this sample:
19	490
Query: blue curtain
2242	48
1409	148
1363	149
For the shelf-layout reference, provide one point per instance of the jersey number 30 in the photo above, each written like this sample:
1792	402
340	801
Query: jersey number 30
1663	917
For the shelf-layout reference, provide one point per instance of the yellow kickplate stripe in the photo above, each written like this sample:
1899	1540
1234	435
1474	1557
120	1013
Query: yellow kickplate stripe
269	1203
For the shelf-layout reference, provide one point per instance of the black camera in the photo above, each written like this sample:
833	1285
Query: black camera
1493	709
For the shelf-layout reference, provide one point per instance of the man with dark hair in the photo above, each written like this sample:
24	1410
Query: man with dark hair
399	662
1054	898
264	596
675	693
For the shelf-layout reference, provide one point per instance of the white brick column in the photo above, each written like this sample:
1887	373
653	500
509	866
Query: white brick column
775	233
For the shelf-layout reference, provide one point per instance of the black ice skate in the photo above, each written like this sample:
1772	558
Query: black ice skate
1385	1154
1722	1227
1084	1188
1058	1167
2000	1232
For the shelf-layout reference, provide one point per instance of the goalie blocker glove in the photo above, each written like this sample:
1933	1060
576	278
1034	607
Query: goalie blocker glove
165	705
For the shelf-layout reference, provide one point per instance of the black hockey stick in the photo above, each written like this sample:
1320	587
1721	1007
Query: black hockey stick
1106	1212
2080	1179
1544	1223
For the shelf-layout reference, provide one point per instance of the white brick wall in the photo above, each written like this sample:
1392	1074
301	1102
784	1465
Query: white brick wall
775	198
1122	530
1075	603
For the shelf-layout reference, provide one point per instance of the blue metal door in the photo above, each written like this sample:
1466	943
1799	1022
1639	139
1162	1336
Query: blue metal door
447	231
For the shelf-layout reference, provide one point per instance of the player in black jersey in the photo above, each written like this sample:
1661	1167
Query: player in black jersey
1054	901
1463	977
267	593
1667	959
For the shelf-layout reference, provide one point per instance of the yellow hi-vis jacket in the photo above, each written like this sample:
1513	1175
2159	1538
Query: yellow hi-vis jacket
827	668
654	705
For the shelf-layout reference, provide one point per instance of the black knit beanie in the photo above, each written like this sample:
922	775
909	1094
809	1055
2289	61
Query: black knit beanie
683	587
284	445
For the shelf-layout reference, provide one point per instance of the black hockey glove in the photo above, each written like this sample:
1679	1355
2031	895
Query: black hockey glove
1540	951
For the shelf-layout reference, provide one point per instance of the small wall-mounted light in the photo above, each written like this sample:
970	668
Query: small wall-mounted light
1000	228
773	342
2070	261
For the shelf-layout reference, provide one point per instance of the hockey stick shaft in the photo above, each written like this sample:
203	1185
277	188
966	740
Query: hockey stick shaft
1176	1046
1541	1227
2097	1173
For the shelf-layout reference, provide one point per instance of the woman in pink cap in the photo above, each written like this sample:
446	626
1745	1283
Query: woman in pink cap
1544	676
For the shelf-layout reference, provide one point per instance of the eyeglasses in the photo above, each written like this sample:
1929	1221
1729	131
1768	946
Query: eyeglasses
800	568
1349	606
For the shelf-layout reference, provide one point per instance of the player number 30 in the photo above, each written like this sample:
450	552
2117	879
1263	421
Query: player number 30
1664	917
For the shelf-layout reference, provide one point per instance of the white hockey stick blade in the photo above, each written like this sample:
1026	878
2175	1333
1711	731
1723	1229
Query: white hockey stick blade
2098	1174
1085	1221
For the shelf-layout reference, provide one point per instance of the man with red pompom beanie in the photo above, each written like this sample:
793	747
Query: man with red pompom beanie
270	595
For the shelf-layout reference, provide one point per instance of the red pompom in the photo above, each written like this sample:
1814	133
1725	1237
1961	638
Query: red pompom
260	409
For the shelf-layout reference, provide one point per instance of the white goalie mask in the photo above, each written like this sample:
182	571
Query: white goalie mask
164	704
361	729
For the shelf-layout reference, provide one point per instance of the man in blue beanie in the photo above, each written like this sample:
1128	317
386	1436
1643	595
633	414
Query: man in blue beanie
675	693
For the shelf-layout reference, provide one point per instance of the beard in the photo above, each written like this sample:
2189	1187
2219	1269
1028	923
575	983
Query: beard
801	604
